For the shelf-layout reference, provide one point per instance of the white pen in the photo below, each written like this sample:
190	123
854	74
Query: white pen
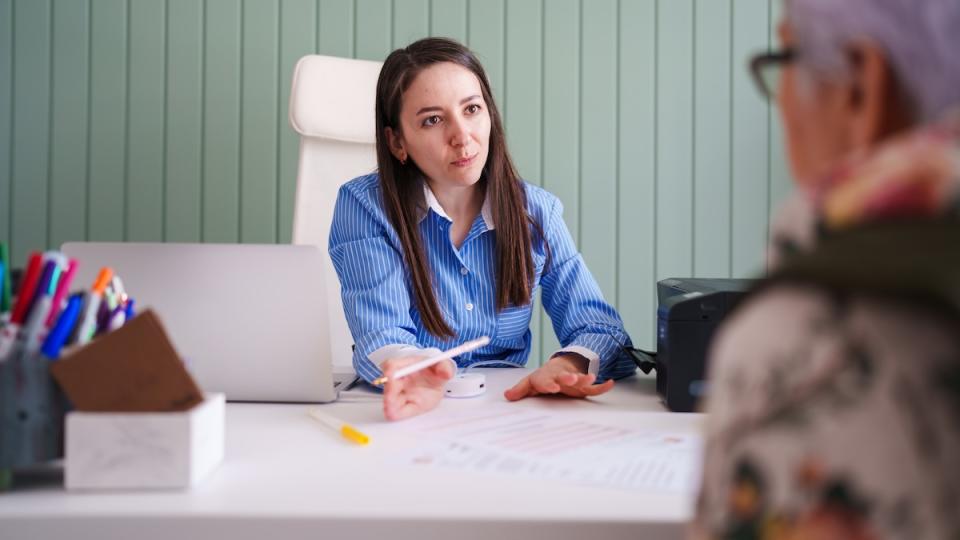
427	362
88	324
344	429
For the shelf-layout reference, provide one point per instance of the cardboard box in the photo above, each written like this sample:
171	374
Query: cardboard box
152	450
132	369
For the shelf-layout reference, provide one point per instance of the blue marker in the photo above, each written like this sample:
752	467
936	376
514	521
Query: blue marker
5	291
129	310
3	282
61	331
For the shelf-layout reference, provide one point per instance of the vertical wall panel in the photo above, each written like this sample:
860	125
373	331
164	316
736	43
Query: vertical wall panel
108	113
258	147
31	121
411	21
711	159
561	106
221	122
184	118
637	170
335	27
6	120
448	18
524	86
750	140
524	49
69	121
297	38
598	159
561	128
373	29
145	131
486	35
638	114
674	138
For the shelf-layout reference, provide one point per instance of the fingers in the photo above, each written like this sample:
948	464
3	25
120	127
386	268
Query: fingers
439	373
520	390
547	382
595	389
571	379
410	400
402	408
416	393
579	385
392	388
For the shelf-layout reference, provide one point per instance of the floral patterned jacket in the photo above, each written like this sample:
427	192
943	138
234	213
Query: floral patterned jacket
834	407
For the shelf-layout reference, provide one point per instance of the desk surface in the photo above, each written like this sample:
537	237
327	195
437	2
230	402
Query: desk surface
286	477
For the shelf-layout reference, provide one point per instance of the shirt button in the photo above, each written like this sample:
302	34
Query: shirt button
464	271
469	306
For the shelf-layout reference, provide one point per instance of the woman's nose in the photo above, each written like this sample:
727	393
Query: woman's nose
459	132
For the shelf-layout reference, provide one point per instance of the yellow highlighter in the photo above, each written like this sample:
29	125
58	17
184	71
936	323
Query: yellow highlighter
346	430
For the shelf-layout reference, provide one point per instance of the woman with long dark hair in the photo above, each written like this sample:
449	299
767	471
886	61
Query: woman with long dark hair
445	243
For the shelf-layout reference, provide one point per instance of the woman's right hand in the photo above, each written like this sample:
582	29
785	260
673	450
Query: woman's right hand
416	393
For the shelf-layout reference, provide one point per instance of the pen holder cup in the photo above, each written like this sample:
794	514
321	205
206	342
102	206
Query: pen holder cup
139	420
32	408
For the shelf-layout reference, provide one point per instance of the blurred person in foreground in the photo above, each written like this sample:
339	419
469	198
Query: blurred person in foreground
834	406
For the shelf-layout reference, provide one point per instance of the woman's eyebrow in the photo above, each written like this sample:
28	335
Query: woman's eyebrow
435	108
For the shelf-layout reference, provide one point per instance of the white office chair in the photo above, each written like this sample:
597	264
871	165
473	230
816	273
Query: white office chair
332	108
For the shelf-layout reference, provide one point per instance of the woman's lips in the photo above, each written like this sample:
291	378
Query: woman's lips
465	161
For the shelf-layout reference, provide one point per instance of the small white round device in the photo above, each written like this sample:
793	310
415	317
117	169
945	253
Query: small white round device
465	385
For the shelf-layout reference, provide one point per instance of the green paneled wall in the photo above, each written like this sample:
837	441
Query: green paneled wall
166	120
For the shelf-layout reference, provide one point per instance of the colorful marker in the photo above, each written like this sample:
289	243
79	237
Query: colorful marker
63	289
344	429
3	282
5	288
62	329
27	288
8	335
88	324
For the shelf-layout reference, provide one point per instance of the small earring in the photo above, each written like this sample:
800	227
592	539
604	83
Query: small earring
403	160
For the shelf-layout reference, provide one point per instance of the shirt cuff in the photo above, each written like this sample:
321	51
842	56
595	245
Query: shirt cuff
399	350
593	367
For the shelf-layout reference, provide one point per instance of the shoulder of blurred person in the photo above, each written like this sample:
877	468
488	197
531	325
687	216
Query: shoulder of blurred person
835	388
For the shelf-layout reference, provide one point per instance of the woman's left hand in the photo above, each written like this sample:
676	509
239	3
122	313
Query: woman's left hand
562	374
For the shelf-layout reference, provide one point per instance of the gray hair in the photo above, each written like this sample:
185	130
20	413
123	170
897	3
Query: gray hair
921	39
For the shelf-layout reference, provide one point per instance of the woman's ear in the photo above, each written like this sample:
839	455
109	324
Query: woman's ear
395	141
876	103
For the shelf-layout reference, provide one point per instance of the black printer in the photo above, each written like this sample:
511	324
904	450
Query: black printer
688	313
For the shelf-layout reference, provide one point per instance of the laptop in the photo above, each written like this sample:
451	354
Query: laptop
248	320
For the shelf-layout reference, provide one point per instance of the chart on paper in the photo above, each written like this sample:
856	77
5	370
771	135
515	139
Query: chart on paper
550	446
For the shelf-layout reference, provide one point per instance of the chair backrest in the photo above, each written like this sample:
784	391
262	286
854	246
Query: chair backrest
332	108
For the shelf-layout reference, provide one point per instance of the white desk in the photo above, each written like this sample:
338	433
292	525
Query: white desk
286	477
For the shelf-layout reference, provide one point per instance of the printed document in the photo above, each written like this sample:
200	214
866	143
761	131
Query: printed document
546	445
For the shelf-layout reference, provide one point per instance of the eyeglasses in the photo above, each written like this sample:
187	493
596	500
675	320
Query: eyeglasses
767	67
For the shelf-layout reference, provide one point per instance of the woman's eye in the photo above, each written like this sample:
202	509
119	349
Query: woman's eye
431	121
473	108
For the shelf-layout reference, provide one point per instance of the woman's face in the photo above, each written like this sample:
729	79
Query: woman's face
445	126
816	117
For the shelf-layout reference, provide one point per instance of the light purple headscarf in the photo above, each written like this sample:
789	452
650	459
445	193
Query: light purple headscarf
921	38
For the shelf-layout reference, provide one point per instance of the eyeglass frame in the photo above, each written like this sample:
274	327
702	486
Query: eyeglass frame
768	59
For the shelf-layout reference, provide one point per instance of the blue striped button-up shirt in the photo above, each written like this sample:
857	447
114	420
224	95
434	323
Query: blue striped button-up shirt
382	313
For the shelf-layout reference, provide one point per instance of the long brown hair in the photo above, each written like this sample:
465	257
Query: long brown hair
400	184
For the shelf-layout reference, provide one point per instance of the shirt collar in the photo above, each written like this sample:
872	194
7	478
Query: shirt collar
431	203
